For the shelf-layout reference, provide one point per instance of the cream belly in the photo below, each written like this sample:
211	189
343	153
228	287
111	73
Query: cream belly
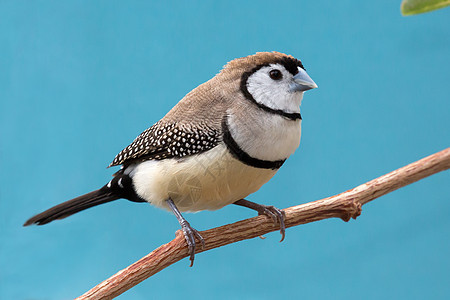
207	181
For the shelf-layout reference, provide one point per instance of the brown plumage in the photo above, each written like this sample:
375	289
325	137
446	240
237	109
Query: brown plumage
219	144
187	130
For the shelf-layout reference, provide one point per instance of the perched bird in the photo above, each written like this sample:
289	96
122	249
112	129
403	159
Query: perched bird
219	144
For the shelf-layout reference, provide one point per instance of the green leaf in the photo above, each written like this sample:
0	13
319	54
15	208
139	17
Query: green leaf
414	7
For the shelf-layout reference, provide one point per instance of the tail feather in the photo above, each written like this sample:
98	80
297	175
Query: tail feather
73	206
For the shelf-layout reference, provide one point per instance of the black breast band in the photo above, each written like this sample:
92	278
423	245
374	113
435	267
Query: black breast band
243	156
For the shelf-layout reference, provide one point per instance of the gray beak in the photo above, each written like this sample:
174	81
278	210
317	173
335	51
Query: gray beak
302	82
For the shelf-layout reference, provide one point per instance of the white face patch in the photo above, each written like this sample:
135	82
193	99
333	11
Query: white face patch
275	94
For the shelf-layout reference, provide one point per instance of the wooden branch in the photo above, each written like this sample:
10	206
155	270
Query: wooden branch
345	206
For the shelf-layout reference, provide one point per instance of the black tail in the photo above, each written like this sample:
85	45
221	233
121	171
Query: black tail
73	206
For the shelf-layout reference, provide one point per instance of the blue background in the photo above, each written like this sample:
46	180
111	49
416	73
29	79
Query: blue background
80	79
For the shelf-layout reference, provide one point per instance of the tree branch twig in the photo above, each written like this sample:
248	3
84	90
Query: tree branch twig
346	205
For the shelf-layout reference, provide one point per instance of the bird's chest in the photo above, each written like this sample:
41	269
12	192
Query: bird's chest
209	180
268	137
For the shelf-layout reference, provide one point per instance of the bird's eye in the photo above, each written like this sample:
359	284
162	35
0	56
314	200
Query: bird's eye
275	74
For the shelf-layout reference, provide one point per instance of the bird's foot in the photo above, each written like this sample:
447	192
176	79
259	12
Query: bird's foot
277	215
190	234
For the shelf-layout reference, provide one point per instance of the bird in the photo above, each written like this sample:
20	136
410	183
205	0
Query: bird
220	143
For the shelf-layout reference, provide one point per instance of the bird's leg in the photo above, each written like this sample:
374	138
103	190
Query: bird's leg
276	214
189	232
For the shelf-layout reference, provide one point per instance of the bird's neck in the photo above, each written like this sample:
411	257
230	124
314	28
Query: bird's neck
264	135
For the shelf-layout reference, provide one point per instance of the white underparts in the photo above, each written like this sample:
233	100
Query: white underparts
206	181
266	136
214	178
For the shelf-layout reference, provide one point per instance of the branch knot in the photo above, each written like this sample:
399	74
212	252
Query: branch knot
350	210
346	205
